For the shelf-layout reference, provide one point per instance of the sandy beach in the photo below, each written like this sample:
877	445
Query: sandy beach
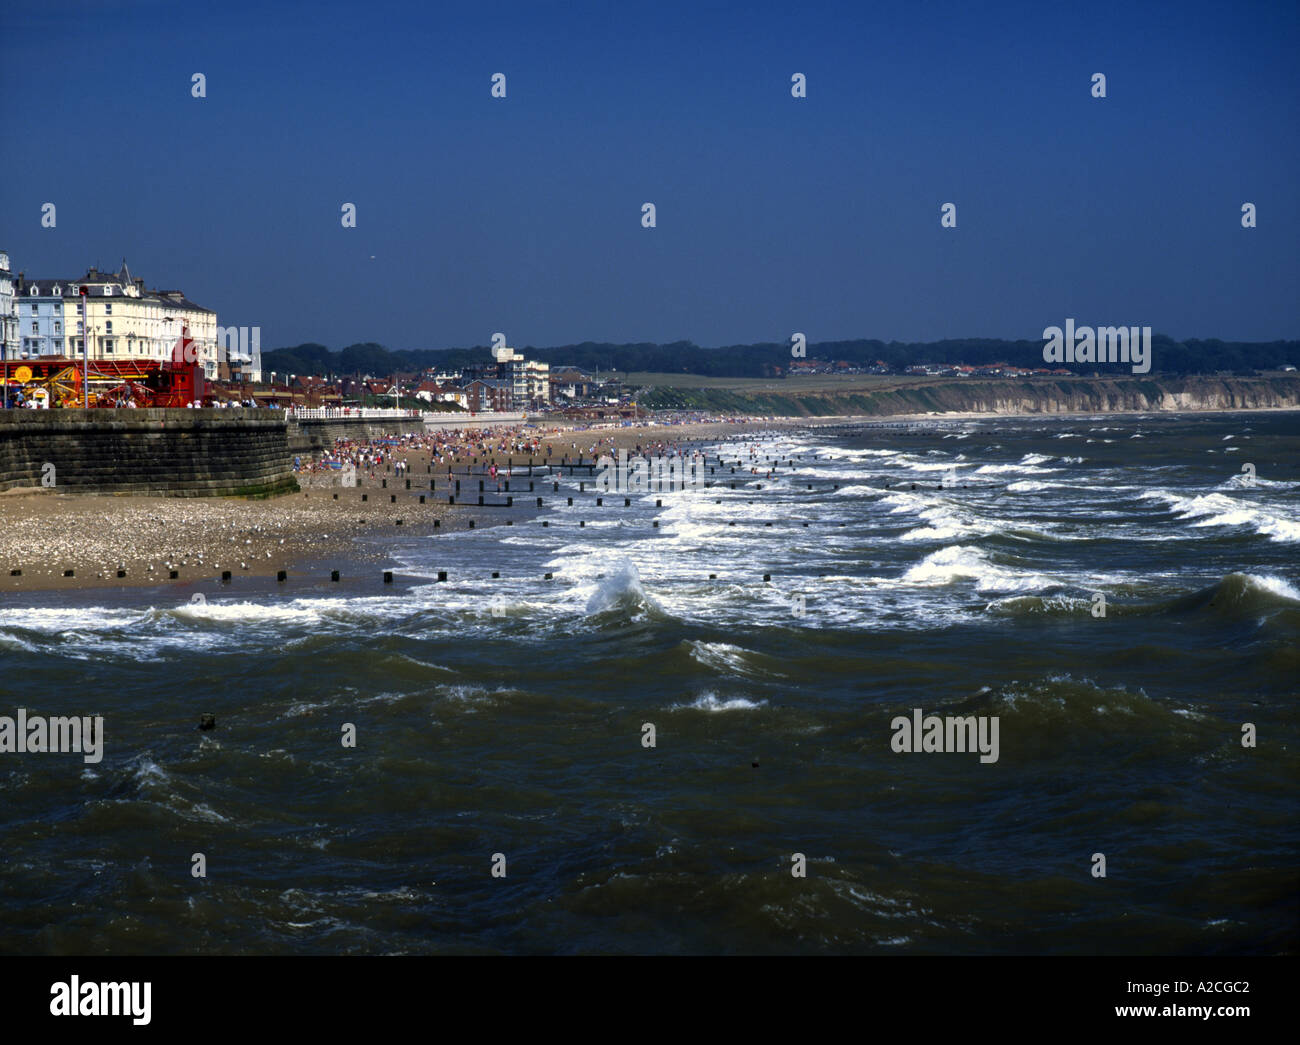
45	533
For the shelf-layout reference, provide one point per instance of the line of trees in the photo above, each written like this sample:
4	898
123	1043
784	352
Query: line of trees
771	359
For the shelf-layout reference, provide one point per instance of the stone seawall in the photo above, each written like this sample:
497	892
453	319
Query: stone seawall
177	453
307	437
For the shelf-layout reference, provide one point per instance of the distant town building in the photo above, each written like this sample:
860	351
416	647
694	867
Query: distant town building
513	370
529	381
489	395
570	383
537	377
436	392
239	350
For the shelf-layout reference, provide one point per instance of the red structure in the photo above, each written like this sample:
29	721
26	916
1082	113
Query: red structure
113	383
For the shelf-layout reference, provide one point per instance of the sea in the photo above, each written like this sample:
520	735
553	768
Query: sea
696	737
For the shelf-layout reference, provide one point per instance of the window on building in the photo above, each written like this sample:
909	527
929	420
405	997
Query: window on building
58	328
108	344
80	328
108	305
81	308
108	327
36	327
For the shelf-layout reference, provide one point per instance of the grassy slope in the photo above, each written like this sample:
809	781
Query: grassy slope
886	395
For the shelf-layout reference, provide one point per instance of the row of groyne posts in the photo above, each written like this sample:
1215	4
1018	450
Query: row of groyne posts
545	472
480	472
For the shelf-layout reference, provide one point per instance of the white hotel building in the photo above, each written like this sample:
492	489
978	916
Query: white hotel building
126	321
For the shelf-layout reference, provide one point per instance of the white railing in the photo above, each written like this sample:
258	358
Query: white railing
333	413
462	419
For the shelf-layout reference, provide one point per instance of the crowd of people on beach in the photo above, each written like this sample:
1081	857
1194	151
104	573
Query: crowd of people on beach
375	456
385	452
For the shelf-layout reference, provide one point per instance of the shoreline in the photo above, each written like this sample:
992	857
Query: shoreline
323	526
977	415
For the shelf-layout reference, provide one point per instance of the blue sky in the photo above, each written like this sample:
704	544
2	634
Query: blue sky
774	214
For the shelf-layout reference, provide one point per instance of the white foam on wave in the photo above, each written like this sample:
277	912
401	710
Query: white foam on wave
710	702
1218	509
303	708
1244	482
931	466
856	454
814	472
245	612
1053	603
158	785
52	620
623	588
966	562
472	697
1033	486
939	531
1021	469
947	519
944	523
8	641
1277	585
724	657
686	530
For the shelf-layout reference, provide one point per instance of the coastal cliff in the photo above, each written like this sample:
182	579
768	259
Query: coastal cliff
1005	396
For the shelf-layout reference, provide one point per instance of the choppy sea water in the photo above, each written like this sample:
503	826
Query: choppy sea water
521	732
